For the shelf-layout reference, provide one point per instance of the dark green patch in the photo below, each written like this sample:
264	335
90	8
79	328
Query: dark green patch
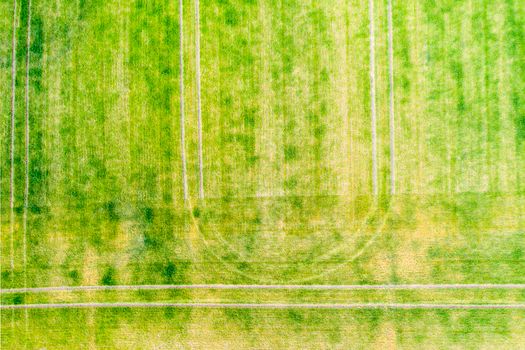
290	153
231	17
196	212
109	277
295	316
18	299
74	275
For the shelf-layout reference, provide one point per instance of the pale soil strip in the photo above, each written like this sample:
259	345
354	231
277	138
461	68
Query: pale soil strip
182	133
12	153
263	287
12	148
269	306
26	160
375	189
26	188
391	109
199	109
1	235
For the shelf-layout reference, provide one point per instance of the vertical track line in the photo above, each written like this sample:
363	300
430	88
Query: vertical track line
182	135
391	97
1	231
1	225
26	160
12	146
198	79
12	153
375	190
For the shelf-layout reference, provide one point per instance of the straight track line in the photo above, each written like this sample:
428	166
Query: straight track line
26	160
270	306
199	108
182	132
12	145
26	153
12	152
391	98
263	287
375	188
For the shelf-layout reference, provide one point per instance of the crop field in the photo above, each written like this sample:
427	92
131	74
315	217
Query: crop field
262	174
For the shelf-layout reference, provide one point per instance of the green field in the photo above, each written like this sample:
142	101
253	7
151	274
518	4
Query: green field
100	103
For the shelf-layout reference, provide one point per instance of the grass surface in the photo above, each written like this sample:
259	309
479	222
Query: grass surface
287	168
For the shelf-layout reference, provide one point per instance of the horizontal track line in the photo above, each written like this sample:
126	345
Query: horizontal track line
262	287
268	306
